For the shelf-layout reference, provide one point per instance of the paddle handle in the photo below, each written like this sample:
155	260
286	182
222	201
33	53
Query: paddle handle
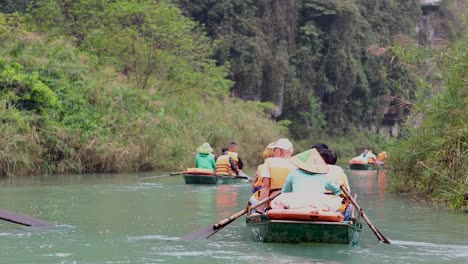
241	213
229	219
377	233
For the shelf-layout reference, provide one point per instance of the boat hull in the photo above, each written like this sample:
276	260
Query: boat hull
289	231
363	167
212	179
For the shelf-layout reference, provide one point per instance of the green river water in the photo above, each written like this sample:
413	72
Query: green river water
116	219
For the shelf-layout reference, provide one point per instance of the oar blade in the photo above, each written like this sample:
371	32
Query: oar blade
200	234
22	219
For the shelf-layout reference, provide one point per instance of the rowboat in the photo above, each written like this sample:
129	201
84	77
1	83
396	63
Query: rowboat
206	176
212	179
266	230
357	166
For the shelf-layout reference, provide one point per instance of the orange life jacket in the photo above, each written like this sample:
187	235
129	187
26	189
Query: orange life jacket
234	157
258	181
279	171
223	166
382	156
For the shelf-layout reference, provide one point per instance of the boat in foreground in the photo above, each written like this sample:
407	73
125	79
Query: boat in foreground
267	230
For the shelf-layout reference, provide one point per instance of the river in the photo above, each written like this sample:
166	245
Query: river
116	219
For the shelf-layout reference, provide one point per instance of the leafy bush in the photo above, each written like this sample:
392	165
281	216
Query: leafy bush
433	158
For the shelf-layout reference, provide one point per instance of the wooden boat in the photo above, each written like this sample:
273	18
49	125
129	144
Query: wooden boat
212	179
266	230
204	176
358	166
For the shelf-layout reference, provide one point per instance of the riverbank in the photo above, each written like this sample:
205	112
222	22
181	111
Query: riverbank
70	108
431	160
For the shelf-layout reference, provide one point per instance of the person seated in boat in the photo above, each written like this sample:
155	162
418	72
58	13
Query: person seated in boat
382	158
276	169
361	159
319	146
337	175
306	186
225	165
235	156
371	158
258	181
204	158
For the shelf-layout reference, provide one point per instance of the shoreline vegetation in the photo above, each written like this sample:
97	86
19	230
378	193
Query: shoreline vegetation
131	88
431	158
128	86
116	103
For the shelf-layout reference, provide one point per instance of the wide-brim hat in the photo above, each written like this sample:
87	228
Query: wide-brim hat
205	148
310	161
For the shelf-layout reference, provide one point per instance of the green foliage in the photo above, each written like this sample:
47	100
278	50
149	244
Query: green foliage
150	42
93	112
296	52
24	90
433	159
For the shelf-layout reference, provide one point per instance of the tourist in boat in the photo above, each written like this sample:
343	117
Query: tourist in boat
382	158
258	181
204	158
306	186
371	158
361	159
237	159
232	152
319	146
335	173
276	169
225	165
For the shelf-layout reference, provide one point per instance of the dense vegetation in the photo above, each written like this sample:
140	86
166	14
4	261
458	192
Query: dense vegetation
319	61
132	85
100	86
432	157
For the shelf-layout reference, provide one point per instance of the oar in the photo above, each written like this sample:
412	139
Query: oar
206	232
377	233
22	219
160	176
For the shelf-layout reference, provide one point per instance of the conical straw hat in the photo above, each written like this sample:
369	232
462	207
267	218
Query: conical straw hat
310	161
205	148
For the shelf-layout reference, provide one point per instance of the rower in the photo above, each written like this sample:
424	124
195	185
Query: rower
235	156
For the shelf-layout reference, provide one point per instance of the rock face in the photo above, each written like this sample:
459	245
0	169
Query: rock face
439	21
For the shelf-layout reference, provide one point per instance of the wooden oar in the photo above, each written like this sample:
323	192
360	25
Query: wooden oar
22	219
377	233
160	176
206	232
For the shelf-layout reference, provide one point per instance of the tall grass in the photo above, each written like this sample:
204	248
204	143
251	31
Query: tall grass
105	122
432	160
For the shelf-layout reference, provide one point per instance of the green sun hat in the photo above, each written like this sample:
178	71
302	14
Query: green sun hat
310	161
205	148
